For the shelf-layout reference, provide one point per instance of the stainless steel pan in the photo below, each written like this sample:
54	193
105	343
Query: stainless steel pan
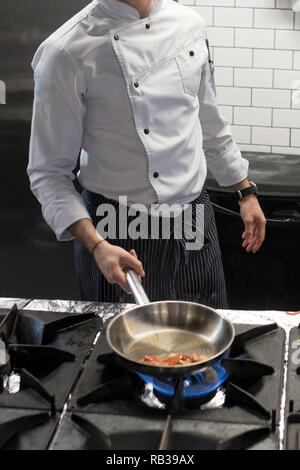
165	328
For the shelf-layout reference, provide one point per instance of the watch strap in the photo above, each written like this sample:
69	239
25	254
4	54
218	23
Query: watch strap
252	189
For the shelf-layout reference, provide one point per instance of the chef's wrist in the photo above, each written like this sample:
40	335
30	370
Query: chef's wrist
241	185
247	199
97	247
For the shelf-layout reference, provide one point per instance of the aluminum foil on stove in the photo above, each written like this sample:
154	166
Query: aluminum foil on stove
8	302
105	310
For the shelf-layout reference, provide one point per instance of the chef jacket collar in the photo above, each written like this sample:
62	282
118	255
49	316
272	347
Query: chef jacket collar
127	11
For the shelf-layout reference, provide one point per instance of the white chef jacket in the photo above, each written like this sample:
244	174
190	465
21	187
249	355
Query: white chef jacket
136	99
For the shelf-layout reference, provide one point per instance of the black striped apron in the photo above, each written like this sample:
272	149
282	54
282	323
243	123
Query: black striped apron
171	271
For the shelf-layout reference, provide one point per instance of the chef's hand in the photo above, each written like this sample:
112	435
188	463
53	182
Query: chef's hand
112	259
255	223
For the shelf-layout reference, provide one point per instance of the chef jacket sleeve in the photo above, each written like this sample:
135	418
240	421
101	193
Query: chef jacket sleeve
223	156
56	135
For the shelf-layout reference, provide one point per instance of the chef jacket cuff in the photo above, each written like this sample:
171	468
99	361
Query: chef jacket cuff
230	168
63	211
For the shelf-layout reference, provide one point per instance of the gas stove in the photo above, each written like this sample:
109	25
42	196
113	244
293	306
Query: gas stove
61	387
242	412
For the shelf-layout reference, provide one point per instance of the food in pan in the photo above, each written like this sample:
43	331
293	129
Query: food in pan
175	360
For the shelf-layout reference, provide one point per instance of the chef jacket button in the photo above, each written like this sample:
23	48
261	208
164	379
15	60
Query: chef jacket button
147	25
155	174
192	53
146	131
136	84
116	37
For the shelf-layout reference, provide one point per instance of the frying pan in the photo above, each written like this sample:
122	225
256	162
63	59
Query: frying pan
165	328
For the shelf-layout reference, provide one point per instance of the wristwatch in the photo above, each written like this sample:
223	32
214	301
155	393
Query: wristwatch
252	189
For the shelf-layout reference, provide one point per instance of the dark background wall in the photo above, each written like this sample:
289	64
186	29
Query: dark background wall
32	262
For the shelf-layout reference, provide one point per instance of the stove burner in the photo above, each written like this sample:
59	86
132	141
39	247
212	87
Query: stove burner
194	386
158	393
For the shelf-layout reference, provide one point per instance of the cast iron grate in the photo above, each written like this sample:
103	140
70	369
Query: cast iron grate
293	379
168	438
26	354
293	388
11	428
22	429
244	376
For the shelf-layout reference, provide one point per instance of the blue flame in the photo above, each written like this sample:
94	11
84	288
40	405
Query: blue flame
194	385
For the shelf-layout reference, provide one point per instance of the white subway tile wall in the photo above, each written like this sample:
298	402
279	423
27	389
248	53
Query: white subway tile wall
255	3
234	95
285	78
233	56
283	4
297	60
255	148
267	98
253	116
253	77
274	19
221	36
237	17
287	150
224	76
275	136
261	39
255	45
295	138
272	59
287	40
286	117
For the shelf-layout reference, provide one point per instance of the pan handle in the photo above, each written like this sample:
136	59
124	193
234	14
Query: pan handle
140	295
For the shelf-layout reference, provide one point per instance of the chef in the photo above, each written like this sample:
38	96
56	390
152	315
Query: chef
128	85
